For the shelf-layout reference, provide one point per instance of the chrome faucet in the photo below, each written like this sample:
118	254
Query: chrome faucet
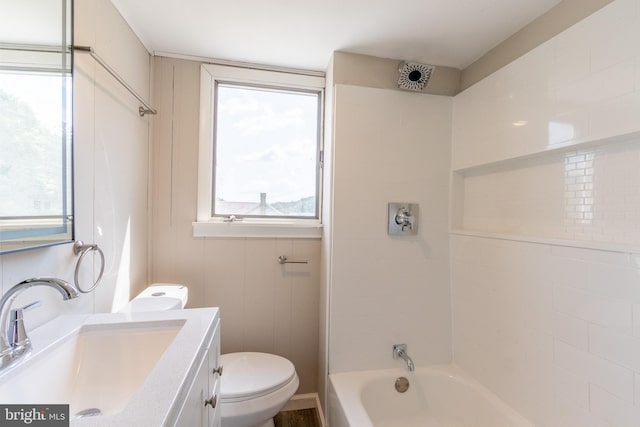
14	342
400	351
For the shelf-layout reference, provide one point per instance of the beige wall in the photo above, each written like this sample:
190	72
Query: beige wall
111	165
264	306
551	23
382	73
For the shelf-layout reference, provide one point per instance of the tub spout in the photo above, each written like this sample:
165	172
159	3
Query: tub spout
400	351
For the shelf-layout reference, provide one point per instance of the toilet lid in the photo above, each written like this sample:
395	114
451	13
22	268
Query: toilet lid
253	374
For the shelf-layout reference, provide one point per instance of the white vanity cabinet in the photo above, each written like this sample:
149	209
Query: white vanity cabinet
213	375
201	407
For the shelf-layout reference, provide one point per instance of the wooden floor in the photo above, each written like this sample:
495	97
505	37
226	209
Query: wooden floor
298	418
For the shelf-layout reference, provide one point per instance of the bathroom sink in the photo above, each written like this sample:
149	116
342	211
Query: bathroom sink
97	368
109	367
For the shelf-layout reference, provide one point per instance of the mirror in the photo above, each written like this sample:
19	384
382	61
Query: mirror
36	206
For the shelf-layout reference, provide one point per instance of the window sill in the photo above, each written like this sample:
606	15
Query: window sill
258	229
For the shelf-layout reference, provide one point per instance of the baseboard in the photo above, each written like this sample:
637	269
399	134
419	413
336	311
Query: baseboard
305	401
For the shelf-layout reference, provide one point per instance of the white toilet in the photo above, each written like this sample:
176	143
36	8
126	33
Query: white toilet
254	386
158	297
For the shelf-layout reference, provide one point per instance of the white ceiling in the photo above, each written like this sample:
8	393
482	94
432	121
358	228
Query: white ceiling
304	33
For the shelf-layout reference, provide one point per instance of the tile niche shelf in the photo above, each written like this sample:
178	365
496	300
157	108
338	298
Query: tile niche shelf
583	195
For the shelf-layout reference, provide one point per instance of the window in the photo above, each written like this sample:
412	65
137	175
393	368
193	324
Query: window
35	143
266	152
260	153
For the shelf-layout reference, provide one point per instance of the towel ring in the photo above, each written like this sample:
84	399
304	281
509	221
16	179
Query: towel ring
80	248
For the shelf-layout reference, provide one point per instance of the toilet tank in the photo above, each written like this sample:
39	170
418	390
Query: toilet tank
159	297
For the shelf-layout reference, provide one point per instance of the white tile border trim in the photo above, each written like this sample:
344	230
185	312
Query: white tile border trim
603	246
513	162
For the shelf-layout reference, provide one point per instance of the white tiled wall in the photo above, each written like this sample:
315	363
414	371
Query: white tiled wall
553	330
550	329
264	306
110	167
589	194
581	85
389	146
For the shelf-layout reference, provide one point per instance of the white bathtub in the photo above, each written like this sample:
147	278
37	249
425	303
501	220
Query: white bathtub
438	396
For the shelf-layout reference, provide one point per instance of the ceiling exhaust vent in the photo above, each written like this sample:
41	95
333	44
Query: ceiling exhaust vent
414	76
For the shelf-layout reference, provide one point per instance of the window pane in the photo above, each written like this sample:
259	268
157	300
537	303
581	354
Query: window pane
35	145
266	152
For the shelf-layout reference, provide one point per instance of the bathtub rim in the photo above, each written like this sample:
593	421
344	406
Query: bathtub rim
342	385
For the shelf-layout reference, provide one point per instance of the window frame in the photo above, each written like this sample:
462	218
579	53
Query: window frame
207	225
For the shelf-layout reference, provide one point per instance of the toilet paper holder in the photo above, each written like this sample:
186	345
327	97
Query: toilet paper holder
282	259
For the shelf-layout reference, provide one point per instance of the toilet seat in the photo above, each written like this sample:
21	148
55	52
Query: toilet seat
254	375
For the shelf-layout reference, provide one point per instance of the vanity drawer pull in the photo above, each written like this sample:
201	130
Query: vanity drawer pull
212	401
217	370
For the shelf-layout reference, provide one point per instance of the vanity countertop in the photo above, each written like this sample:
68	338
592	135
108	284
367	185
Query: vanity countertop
156	400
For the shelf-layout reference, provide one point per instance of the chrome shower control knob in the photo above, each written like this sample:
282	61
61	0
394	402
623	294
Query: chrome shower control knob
404	218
